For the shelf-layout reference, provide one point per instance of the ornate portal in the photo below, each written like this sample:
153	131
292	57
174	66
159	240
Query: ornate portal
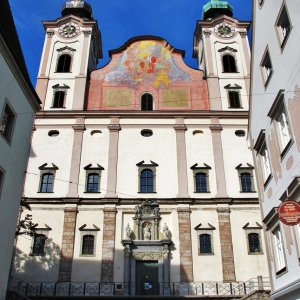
145	254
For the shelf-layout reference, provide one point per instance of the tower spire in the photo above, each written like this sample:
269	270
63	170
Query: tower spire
216	8
78	8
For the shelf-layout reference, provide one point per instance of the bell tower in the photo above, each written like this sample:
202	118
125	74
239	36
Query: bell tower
222	48
72	48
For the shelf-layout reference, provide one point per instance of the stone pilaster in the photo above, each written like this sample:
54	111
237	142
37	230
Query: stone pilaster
185	247
226	244
76	158
114	129
43	79
219	159
108	246
180	129
67	248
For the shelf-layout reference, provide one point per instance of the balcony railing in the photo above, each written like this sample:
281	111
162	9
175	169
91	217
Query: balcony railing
233	289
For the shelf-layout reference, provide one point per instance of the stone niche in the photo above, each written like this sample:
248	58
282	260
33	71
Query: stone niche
143	246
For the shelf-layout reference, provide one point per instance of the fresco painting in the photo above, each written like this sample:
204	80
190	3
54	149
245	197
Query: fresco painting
175	97
146	61
115	96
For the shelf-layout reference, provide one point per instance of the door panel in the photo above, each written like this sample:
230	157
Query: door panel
147	278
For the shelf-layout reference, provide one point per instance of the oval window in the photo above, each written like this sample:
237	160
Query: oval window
240	133
53	133
197	132
146	132
96	132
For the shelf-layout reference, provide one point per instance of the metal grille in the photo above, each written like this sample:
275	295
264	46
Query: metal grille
205	243
38	247
201	183
88	245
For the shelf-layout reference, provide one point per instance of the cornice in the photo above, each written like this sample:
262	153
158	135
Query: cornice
203	114
135	201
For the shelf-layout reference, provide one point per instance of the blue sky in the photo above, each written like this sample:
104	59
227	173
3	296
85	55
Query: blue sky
119	20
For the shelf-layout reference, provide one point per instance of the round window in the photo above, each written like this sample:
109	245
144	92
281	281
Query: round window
240	133
96	132
53	133
146	132
197	132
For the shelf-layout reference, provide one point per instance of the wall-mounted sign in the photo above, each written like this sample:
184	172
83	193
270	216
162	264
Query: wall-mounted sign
289	213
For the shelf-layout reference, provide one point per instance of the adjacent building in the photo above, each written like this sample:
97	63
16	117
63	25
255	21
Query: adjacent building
18	104
274	134
140	178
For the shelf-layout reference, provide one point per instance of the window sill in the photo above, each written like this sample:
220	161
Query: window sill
245	192
281	272
45	192
205	254
58	107
235	107
42	255
147	193
267	80
286	149
7	139
267	181
92	192
255	253
87	255
202	192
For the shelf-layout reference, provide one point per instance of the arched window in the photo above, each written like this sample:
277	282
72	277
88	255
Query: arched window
64	63
59	99
146	181
146	102
254	243
88	242
246	182
229	65
234	99
47	183
92	183
205	243
38	247
201	183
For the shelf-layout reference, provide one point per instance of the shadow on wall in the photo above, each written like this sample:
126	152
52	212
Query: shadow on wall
45	268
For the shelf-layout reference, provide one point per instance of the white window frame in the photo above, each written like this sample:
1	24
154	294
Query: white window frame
278	250
282	31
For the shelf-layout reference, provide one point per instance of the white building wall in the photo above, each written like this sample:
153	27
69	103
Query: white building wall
13	159
30	268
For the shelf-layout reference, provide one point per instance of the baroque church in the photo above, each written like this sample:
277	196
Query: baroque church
140	180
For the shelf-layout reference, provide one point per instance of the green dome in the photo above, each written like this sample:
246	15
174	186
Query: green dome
215	8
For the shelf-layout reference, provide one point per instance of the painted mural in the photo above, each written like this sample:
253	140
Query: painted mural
146	62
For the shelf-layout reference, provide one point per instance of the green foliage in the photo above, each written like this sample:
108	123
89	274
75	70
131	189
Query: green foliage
26	226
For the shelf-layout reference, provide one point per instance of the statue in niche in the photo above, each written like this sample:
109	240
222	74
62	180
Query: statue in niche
128	232
147	233
166	232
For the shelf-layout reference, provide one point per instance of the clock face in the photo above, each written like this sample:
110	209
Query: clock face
224	30
68	30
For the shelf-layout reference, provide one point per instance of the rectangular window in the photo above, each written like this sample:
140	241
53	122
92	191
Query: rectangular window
92	183
88	244
278	250
254	244
283	25
266	67
7	122
47	183
279	117
38	247
205	246
234	99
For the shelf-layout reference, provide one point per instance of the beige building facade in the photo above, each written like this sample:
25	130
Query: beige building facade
274	134
140	178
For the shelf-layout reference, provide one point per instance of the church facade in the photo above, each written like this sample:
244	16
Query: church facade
139	175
